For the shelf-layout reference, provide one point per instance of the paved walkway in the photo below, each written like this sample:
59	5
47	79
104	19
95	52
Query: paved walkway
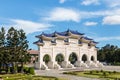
58	73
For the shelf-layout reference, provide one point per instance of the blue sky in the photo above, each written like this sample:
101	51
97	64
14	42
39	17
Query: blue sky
98	19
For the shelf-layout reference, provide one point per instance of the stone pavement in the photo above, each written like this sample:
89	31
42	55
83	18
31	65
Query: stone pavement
58	73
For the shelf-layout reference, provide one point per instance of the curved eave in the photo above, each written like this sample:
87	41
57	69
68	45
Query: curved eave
38	36
46	37
85	40
60	36
39	43
93	43
75	36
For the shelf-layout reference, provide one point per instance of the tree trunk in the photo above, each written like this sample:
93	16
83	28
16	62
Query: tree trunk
22	67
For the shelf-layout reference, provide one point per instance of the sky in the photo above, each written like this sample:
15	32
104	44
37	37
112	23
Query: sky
97	19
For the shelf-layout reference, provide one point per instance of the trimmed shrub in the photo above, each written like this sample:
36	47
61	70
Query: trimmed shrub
26	70
101	70
114	72
97	71
31	70
109	72
91	72
56	79
104	74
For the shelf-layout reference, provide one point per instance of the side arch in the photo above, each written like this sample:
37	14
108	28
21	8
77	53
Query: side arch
46	58
84	57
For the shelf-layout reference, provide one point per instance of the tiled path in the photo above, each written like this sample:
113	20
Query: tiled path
58	73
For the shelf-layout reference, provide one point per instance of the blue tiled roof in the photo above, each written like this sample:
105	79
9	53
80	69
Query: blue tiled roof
75	32
41	41
47	35
65	33
60	33
87	38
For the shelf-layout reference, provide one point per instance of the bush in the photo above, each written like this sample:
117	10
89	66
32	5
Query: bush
114	72
31	70
56	79
101	70
104	74
97	71
91	72
109	72
26	70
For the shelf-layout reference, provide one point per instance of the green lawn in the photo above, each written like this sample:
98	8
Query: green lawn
27	77
96	74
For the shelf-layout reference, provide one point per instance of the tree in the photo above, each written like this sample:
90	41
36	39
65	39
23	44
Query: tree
46	58
2	45
59	58
12	44
73	58
109	53
13	49
23	47
17	45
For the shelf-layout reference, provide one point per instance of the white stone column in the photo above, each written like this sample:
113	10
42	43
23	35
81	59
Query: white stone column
65	62
38	64
79	62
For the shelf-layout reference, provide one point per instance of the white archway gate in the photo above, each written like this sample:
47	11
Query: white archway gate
67	49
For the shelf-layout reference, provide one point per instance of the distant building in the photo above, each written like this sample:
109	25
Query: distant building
34	55
66	49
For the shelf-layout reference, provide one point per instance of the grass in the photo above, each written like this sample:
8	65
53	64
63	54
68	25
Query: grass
97	74
27	77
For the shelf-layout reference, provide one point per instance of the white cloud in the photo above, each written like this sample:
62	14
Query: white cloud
62	1
67	14
90	23
112	3
89	2
112	20
27	26
107	38
63	14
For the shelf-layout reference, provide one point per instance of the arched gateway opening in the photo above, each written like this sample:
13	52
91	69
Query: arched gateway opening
92	58
46	58
73	58
59	58
84	58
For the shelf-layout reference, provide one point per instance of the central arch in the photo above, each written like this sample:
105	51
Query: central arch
59	58
84	58
73	58
46	58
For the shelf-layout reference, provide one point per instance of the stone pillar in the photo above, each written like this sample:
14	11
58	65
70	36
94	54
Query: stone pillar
53	63
79	62
40	64
65	62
